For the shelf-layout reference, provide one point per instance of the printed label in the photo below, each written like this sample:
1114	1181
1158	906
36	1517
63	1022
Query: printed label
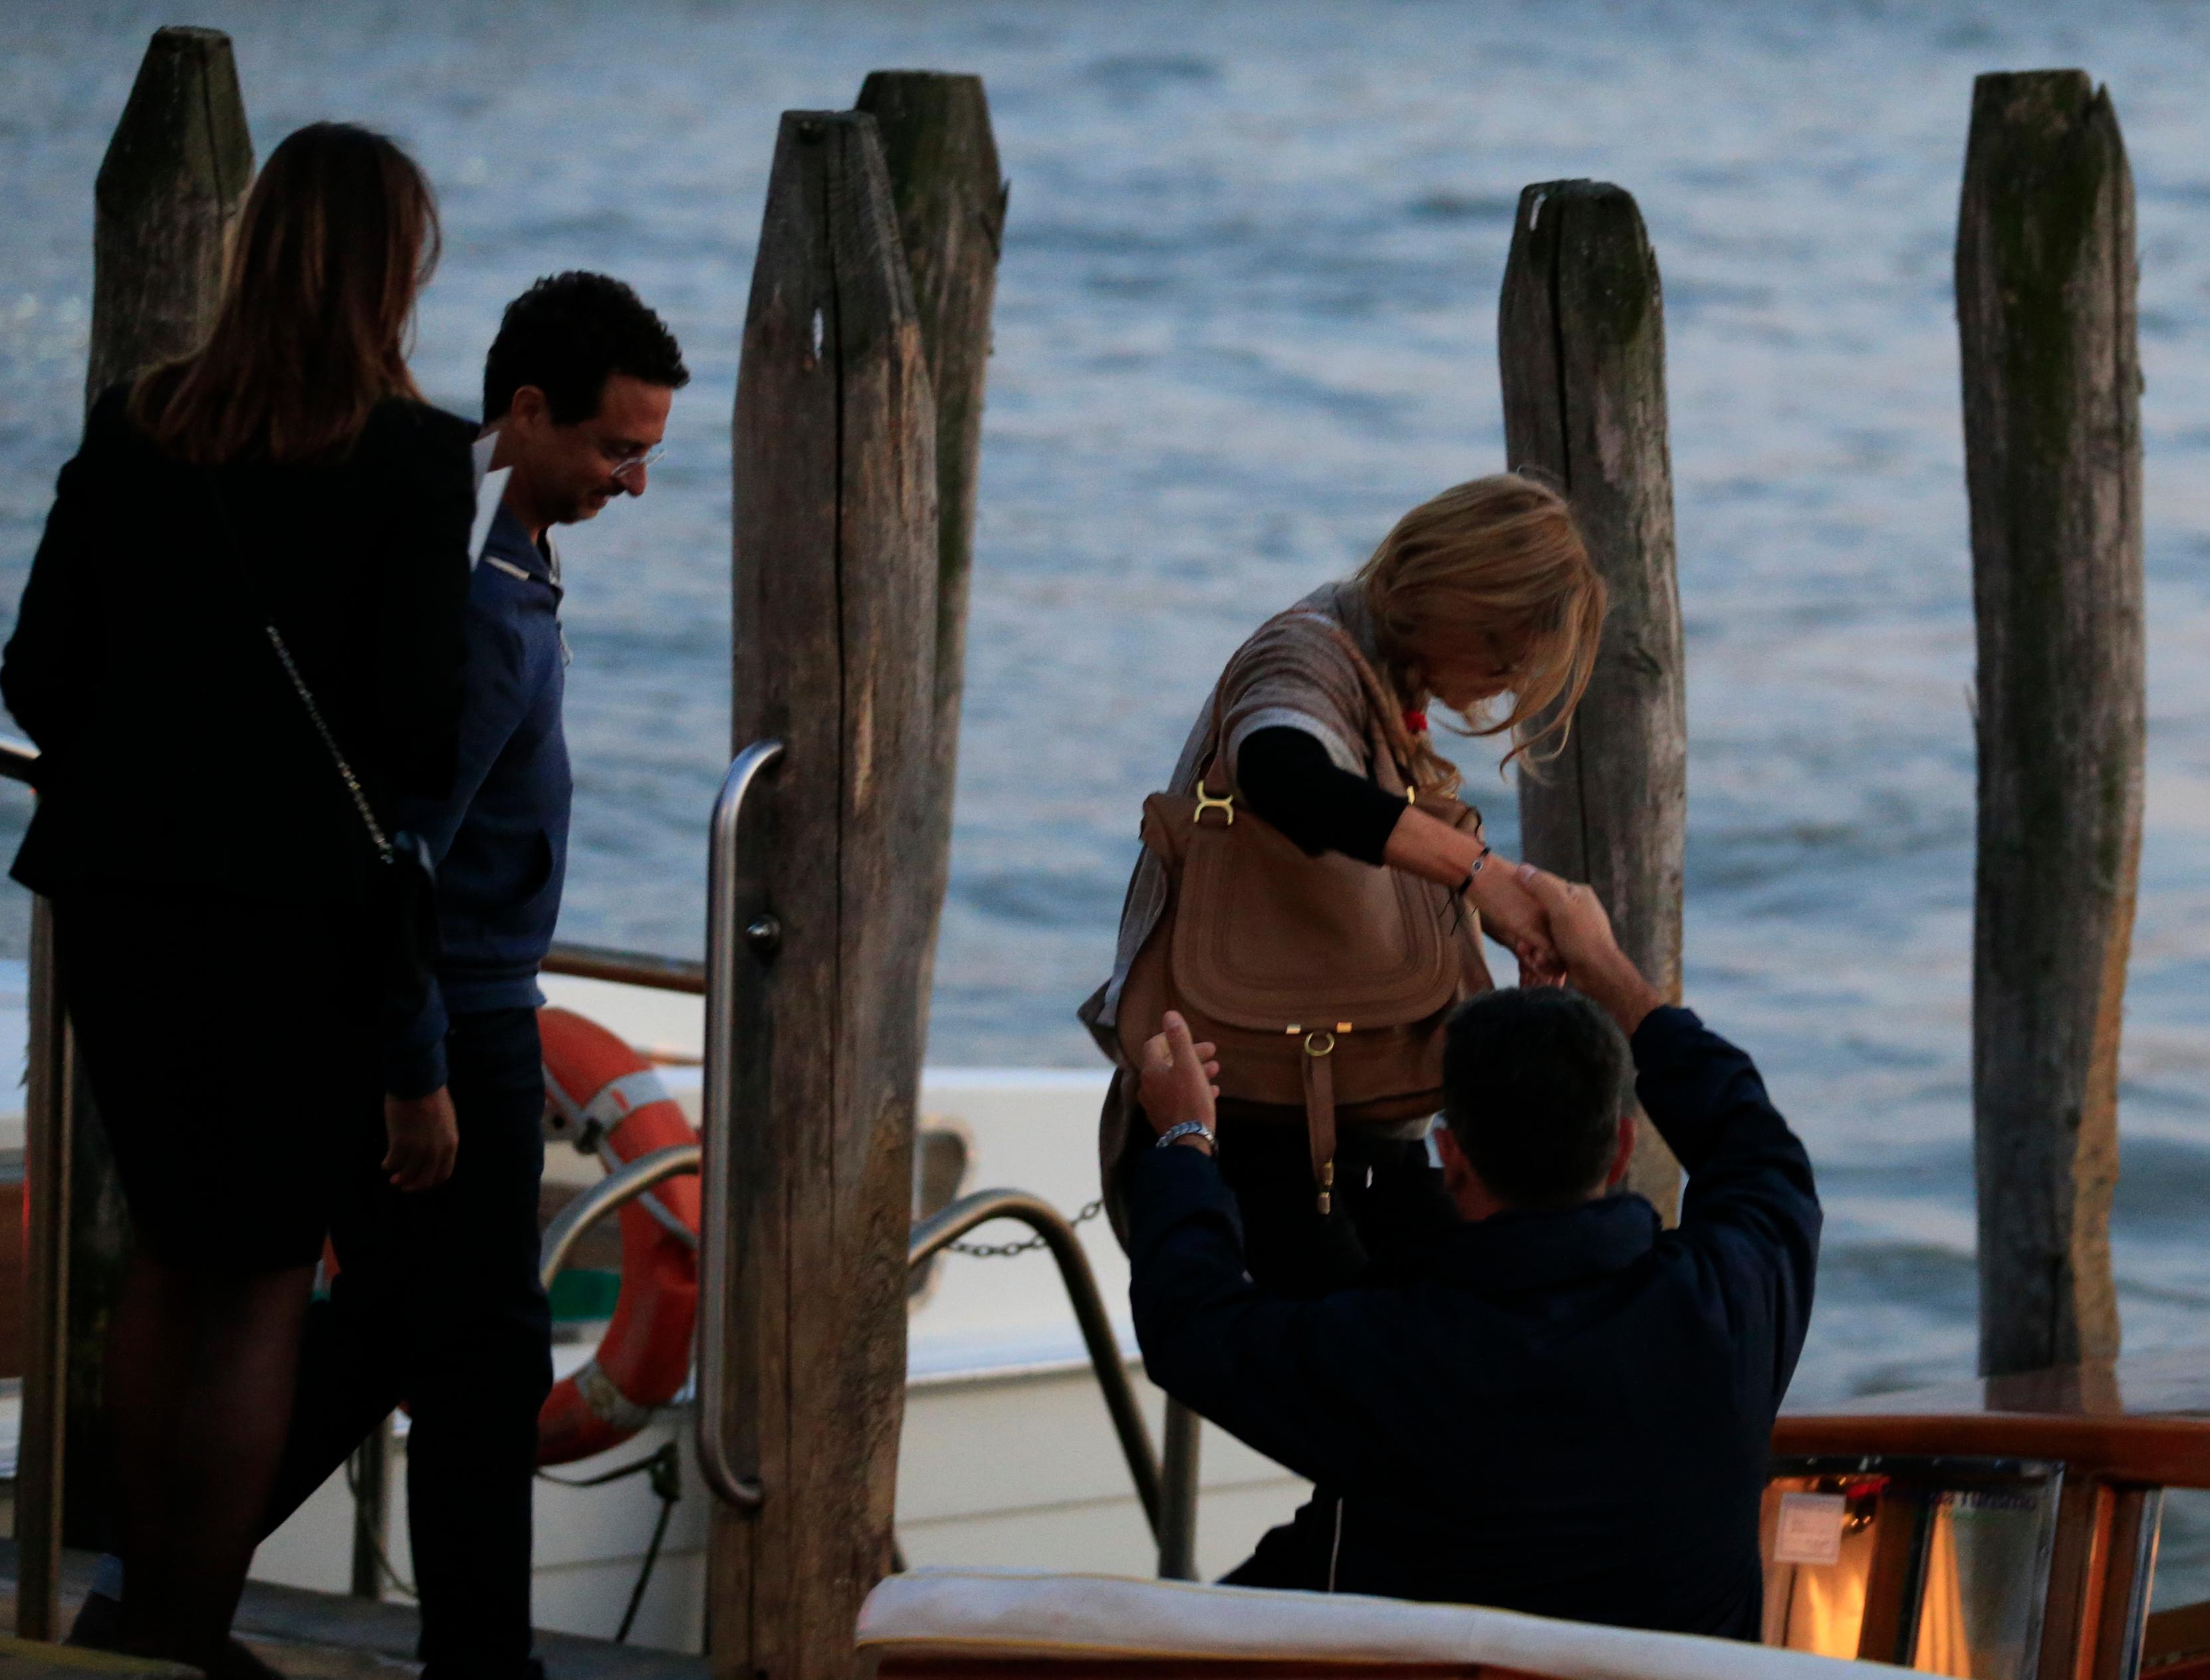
1810	1529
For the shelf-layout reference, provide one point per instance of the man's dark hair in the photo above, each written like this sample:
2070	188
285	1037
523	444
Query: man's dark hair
567	336
1534	1083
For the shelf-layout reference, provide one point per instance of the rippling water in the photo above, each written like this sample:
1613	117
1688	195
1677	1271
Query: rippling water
1247	316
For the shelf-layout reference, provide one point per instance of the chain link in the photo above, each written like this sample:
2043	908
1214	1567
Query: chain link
315	715
1027	1245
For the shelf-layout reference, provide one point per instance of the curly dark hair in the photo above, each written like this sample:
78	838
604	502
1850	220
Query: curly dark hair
1534	1083
567	336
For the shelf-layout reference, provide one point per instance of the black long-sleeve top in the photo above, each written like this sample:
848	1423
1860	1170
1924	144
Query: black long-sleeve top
174	752
1286	776
1569	1415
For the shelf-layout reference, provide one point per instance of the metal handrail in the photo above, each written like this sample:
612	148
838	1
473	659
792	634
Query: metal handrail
19	759
715	1462
633	1179
947	1226
1176	1530
931	1237
627	968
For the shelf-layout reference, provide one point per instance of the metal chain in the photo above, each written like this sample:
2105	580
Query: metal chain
330	740
1027	1245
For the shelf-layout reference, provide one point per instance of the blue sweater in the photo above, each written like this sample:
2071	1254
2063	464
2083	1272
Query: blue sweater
500	835
1568	1415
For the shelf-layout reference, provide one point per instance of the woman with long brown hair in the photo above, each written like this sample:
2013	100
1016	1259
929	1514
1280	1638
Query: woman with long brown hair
1318	726
239	643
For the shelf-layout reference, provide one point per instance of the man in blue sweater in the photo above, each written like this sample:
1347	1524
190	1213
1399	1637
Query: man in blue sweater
436	1300
1566	1411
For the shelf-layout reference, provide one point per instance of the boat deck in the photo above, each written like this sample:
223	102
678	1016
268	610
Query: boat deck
324	1636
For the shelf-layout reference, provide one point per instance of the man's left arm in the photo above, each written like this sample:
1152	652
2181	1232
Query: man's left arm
1751	1204
495	695
1268	1370
1293	1379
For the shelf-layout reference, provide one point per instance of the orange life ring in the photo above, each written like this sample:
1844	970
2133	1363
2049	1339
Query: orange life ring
611	1102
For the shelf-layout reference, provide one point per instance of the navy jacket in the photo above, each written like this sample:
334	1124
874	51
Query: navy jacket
500	835
1570	1416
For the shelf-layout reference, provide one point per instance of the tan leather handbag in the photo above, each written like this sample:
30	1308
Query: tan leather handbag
1325	981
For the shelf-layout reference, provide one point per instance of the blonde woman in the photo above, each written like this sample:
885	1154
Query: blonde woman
1482	593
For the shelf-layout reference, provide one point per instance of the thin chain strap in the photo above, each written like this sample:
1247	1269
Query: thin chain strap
298	684
315	715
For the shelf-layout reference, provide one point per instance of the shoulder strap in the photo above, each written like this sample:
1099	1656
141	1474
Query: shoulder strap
376	835
1215	783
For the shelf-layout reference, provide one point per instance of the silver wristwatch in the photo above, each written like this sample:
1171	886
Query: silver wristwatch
1188	1129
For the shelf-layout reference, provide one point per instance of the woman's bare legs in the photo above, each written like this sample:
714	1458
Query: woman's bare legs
200	1365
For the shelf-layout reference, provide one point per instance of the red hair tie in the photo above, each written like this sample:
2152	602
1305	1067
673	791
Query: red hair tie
1415	720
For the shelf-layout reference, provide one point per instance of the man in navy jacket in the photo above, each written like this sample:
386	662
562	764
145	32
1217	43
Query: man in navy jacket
1566	1411
437	1300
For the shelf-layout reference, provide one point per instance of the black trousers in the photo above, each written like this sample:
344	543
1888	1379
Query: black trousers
437	1304
1388	1208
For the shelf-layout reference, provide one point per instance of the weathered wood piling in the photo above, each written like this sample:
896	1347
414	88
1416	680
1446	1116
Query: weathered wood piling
49	1077
168	194
950	199
2045	316
1581	347
836	546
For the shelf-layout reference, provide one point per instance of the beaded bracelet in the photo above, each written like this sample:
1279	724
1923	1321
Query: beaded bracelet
1479	864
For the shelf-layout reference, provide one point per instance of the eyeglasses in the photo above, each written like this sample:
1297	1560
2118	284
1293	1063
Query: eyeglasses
622	466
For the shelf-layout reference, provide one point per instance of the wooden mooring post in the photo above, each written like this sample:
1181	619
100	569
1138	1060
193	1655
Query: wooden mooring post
834	482
168	193
950	199
50	1075
1581	332
2046	315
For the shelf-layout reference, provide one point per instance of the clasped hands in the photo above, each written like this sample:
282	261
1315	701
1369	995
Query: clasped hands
1514	914
1517	919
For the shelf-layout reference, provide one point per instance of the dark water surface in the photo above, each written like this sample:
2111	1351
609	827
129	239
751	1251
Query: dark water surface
1246	317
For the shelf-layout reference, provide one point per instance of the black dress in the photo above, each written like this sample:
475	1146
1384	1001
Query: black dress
209	874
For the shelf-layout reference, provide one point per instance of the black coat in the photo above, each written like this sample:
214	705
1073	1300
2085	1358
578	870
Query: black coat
1569	1417
173	750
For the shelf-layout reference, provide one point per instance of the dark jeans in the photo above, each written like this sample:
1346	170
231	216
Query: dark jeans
436	1303
1388	1208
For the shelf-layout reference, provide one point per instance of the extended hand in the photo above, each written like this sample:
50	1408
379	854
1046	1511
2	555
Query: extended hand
1434	850
1516	920
1177	1076
1593	961
423	1137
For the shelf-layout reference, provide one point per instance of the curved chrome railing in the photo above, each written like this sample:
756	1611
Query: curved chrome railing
723	937
940	1229
633	1179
